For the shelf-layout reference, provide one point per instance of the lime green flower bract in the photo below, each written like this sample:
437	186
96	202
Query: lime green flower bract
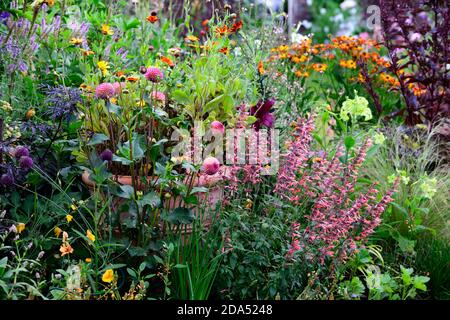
357	107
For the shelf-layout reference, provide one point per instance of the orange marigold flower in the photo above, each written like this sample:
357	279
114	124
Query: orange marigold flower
86	52
236	26
261	68
301	74
319	67
152	18
132	79
220	31
167	61
224	50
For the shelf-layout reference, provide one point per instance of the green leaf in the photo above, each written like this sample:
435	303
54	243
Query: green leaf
97	138
419	282
181	97
181	215
151	199
132	24
406	275
126	192
251	120
349	142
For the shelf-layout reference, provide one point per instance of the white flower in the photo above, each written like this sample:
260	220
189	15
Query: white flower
258	44
323	11
307	24
298	38
348	4
237	51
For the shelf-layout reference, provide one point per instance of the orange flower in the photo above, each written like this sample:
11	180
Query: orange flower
86	52
65	249
301	74
236	26
319	67
205	23
152	18
132	79
120	73
167	61
224	50
220	31
261	68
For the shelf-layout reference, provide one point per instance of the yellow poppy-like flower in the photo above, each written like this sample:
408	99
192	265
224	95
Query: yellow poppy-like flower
106	30
108	276
103	66
20	227
90	235
76	41
88	260
69	218
57	231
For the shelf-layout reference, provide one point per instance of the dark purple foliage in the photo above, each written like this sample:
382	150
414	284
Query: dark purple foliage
416	35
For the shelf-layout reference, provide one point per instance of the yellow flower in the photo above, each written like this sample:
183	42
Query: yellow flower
106	30
108	276
88	260
20	227
113	100
57	231
103	66
69	217
76	41
90	235
73	207
140	103
191	38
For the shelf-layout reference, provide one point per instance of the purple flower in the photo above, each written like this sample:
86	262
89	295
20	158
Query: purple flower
25	163
106	155
154	74
105	91
262	113
6	180
62	101
21	152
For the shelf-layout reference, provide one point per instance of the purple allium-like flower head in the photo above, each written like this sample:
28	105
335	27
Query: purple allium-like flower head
159	96
25	163
106	155
6	180
211	165
105	91
21	152
154	74
217	127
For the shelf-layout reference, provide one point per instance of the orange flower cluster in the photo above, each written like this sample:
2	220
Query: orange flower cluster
307	57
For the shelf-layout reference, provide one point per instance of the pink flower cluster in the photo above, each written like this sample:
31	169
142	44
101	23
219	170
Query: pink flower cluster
337	224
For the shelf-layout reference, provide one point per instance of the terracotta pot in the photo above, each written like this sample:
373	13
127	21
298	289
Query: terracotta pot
209	199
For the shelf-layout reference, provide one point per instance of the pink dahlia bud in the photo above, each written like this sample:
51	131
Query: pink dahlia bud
159	96
154	74
105	91
211	165
118	87
217	128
